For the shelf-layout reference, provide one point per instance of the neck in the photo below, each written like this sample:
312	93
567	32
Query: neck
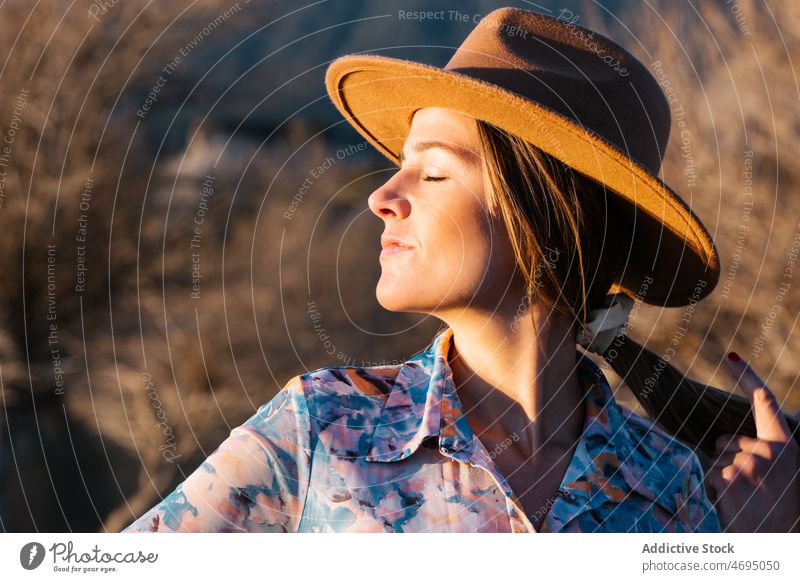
509	387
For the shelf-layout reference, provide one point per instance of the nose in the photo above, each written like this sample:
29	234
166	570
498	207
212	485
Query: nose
388	201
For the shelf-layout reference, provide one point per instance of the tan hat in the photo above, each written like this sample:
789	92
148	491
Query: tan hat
575	94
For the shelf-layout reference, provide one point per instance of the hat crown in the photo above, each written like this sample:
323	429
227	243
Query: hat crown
573	71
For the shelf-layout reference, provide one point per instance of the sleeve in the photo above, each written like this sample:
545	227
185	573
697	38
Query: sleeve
255	481
703	516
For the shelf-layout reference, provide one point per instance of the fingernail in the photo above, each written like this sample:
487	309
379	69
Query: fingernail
733	357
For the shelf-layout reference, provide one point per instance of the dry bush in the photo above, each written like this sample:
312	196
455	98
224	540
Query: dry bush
94	455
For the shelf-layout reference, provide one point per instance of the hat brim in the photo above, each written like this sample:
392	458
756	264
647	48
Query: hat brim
674	260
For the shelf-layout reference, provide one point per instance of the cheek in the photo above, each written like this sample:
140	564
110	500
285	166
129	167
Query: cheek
480	253
503	259
460	243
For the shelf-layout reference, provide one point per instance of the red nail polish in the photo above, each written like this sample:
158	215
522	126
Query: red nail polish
733	356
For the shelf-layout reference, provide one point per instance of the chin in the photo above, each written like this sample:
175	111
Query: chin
392	302
399	298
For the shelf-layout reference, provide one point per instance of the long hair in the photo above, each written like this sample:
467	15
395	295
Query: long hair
569	235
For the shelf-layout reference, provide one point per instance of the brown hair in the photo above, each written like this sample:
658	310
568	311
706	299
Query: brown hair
547	208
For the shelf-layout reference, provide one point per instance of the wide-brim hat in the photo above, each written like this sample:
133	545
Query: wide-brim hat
576	95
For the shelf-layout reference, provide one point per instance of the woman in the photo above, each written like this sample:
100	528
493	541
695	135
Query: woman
514	213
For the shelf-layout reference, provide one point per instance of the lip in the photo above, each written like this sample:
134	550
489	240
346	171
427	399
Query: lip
392	245
394	249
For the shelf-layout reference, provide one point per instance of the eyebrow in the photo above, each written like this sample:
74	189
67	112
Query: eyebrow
464	154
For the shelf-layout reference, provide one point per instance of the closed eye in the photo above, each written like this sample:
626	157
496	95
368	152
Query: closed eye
434	178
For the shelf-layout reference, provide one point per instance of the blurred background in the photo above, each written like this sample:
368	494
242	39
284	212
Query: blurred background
183	219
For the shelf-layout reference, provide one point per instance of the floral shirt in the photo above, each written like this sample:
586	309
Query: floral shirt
389	449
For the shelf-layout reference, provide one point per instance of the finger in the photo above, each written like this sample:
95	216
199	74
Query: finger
718	480
770	423
733	472
733	467
731	443
716	487
721	461
728	442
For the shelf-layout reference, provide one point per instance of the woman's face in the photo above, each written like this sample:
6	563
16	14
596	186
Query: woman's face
451	253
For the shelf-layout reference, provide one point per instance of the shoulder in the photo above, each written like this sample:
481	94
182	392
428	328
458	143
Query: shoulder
350	380
670	465
330	392
651	438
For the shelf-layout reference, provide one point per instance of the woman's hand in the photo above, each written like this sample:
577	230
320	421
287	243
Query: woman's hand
755	482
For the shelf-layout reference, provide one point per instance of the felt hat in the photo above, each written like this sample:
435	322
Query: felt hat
576	95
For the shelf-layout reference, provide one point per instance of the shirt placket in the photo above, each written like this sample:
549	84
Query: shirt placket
518	521
458	442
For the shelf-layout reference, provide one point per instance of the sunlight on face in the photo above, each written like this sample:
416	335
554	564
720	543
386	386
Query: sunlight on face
441	249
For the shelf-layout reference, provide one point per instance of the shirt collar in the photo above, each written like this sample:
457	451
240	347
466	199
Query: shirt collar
423	403
609	462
